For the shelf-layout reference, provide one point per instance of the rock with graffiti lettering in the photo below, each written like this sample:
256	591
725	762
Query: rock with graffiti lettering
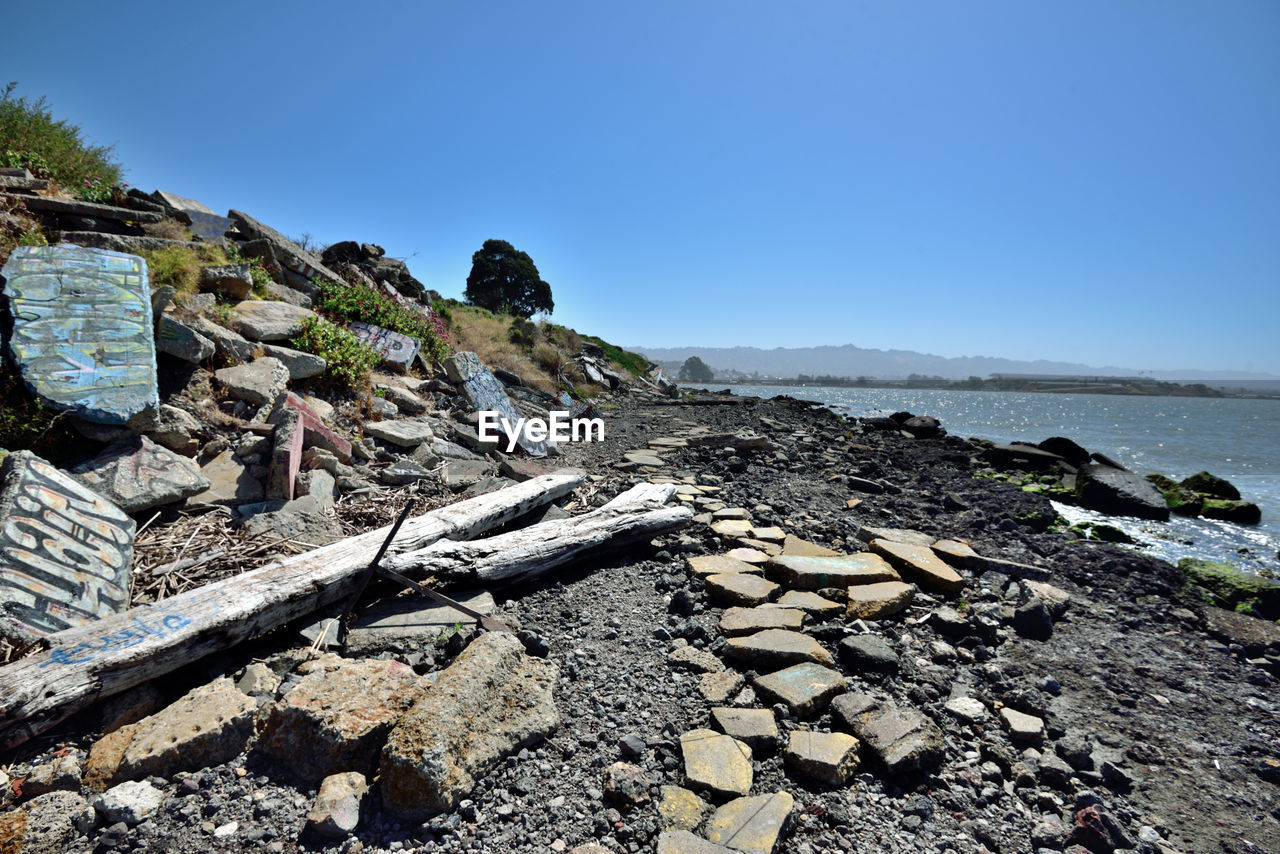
82	333
65	551
136	474
394	347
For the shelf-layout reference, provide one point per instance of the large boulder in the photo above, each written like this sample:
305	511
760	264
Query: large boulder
1212	486
492	701
1119	492
137	474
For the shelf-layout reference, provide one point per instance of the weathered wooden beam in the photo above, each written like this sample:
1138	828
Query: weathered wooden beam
530	552
110	655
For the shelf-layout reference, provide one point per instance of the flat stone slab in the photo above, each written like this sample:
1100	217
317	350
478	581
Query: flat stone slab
877	601
796	547
95	210
720	687
289	253
776	648
805	688
811	603
65	551
687	657
752	825
734	529
269	320
463	473
755	727
745	621
813	573
137	474
207	726
259	382
720	565
716	762
392	623
772	534
338	717
493	700
1023	729
405	434
176	339
967	709
83	337
230	482
740	588
747	555
644	458
920	565
677	841
903	739
867	533
829	757
680	809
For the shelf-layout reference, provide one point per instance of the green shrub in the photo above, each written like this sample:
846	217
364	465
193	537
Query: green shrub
52	148
523	333
179	266
633	362
347	302
349	359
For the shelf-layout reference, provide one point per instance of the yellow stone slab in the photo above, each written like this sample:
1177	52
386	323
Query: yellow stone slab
920	565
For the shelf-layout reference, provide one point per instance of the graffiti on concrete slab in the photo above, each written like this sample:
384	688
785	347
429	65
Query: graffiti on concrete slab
488	394
65	552
82	332
392	346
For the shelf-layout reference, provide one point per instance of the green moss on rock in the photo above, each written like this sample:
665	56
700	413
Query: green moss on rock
1212	486
1243	512
1232	587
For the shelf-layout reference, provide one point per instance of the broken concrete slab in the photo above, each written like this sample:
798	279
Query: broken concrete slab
794	546
207	726
302	521
745	621
720	564
805	688
316	434
877	601
405	434
673	841
716	762
920	565
867	533
232	280
338	717
83	335
262	320
746	555
813	573
829	757
65	551
903	739
230	482
720	687
493	700
740	588
300	365
1026	730
397	624
92	210
752	825
395	348
680	809
692	658
231	344
459	474
485	394
259	382
174	338
820	607
773	648
137	474
755	727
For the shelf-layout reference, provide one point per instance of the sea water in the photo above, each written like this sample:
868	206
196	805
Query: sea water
1234	438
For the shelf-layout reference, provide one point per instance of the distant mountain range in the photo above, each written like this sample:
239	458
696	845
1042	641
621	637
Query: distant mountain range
850	361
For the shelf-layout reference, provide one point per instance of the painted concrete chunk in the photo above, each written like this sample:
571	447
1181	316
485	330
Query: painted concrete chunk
393	347
740	588
776	648
680	809
716	762
920	565
877	601
338	717
829	757
813	573
406	434
794	546
811	603
137	474
316	434
83	336
805	688
744	621
756	727
752	825
486	394
65	551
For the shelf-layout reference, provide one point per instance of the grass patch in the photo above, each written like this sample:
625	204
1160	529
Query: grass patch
28	423
168	229
635	363
179	266
52	148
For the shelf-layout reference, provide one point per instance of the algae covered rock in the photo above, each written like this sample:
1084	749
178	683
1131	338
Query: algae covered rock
1233	588
1212	486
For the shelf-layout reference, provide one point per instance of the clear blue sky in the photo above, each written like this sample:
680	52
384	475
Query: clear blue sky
1086	181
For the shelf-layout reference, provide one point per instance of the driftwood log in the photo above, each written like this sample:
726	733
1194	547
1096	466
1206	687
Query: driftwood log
107	656
637	514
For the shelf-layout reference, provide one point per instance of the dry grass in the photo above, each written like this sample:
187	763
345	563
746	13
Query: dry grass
169	229
179	266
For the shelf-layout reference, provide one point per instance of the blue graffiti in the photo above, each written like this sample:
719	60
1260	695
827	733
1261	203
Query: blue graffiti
86	650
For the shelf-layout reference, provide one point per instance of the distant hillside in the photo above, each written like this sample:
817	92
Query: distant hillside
851	361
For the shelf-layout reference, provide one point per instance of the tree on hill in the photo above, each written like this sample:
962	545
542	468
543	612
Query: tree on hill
504	279
695	370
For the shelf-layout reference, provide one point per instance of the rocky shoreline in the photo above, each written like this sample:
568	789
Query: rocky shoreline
1060	694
